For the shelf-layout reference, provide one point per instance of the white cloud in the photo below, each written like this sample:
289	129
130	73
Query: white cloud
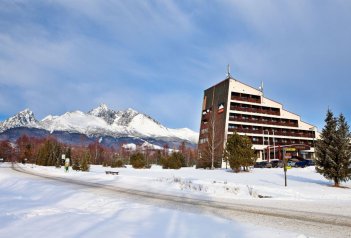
69	55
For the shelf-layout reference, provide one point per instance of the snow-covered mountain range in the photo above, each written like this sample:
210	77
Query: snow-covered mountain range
101	122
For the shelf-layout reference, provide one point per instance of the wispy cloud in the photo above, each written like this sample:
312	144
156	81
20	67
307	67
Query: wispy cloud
159	56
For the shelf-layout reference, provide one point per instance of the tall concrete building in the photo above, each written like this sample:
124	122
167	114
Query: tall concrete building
234	106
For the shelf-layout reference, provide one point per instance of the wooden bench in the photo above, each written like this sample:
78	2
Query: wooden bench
112	172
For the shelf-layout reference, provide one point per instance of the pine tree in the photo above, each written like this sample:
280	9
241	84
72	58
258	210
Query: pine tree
343	167
333	151
175	161
239	152
85	162
137	160
49	153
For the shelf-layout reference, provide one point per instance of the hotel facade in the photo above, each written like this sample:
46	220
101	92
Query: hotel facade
232	106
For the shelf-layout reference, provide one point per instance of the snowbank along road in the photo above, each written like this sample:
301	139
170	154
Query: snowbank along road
311	223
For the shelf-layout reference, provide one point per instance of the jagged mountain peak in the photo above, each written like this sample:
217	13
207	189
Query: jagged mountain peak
23	118
101	108
101	121
104	112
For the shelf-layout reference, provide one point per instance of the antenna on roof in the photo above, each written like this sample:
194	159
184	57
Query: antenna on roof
261	87
228	71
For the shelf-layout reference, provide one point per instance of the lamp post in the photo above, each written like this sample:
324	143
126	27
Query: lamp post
314	129
268	150
285	167
263	152
273	146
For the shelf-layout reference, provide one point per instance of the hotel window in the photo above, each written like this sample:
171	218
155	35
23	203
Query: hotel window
231	126
255	139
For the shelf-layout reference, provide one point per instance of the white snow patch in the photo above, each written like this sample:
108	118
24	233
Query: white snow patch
34	207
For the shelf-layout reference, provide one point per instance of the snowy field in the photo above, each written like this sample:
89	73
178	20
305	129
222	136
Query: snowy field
37	207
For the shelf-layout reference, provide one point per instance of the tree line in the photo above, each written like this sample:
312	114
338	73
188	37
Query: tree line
48	152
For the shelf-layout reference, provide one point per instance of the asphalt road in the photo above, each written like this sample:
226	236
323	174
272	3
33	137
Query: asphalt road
312	224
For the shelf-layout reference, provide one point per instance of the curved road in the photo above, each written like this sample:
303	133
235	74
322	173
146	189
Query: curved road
315	224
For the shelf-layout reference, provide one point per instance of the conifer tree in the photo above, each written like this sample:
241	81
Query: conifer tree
85	162
239	152
137	160
175	161
333	150
49	153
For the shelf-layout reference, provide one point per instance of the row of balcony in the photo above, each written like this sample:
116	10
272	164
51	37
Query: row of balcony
280	142
267	121
246	99
256	109
277	132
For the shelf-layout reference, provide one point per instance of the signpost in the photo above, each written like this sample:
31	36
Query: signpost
285	160
67	162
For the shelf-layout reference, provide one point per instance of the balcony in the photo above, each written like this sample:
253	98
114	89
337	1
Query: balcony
246	99
264	132
261	121
255	110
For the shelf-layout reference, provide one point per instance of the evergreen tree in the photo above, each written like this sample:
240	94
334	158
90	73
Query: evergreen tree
49	153
175	161
239	152
85	162
137	160
333	150
68	152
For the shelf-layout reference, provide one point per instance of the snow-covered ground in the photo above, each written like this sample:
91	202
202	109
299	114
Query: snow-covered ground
304	184
36	207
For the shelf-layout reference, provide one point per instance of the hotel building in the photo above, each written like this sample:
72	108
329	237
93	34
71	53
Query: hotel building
231	106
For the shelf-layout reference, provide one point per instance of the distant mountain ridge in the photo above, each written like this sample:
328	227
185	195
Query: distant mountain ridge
101	122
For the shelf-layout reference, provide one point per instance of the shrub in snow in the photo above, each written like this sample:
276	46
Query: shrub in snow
117	164
175	161
137	161
76	166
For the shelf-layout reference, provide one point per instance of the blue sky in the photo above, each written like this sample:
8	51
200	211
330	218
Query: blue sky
158	56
